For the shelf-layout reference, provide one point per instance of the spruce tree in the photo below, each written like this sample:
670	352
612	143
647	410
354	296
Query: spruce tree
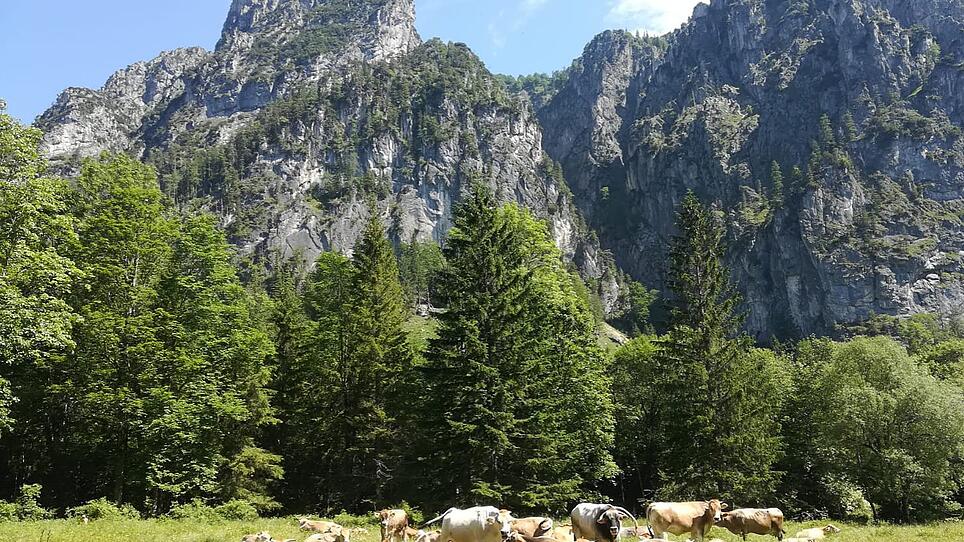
516	408
722	439
850	128
350	391
381	354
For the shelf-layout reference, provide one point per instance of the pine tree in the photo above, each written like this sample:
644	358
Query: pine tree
292	333
776	178
714	444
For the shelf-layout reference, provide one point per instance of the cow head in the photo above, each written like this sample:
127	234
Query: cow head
715	509
609	519
831	529
504	519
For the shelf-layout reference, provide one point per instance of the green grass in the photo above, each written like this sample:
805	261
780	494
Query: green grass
280	529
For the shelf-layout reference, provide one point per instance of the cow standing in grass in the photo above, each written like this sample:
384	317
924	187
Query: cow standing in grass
693	518
394	525
478	524
744	521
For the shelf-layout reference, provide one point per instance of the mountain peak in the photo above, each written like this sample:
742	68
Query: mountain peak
380	28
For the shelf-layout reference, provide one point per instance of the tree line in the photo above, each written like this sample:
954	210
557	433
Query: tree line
140	365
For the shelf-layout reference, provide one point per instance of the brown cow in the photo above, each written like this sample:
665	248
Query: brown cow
817	532
695	518
744	521
532	526
394	525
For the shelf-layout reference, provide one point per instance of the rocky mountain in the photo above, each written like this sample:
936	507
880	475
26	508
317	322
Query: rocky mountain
826	132
307	111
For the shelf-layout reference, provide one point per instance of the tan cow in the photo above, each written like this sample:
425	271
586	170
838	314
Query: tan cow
744	521
695	518
516	536
562	534
394	525
263	536
817	532
424	536
531	526
795	539
324	537
318	526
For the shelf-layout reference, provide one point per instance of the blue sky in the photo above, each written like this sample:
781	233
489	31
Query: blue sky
49	45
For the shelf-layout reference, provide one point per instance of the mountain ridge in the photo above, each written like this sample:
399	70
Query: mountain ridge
857	103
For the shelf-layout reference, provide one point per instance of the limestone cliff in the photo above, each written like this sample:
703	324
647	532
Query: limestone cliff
859	104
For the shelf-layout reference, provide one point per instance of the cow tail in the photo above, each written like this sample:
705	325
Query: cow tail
445	513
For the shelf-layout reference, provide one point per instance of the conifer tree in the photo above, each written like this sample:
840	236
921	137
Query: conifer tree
517	409
381	354
776	178
850	127
722	439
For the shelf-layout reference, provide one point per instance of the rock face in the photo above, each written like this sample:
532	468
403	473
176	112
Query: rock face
865	213
827	134
310	110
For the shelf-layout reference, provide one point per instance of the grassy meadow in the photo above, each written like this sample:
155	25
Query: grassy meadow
283	528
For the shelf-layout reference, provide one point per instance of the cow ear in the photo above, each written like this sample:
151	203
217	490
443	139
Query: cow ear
724	506
490	520
601	520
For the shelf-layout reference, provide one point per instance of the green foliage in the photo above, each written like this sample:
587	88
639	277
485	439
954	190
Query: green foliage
513	334
877	419
713	445
194	510
635	301
28	504
776	182
540	87
899	119
419	263
102	509
237	510
35	273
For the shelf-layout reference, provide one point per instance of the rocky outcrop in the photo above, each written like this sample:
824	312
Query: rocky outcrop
868	216
309	111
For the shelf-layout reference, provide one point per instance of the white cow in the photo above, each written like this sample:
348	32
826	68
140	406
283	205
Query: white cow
477	524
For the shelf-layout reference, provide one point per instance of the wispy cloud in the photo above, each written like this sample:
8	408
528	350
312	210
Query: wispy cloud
531	6
651	16
500	27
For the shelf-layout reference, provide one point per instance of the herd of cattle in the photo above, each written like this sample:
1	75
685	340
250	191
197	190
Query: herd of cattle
589	522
